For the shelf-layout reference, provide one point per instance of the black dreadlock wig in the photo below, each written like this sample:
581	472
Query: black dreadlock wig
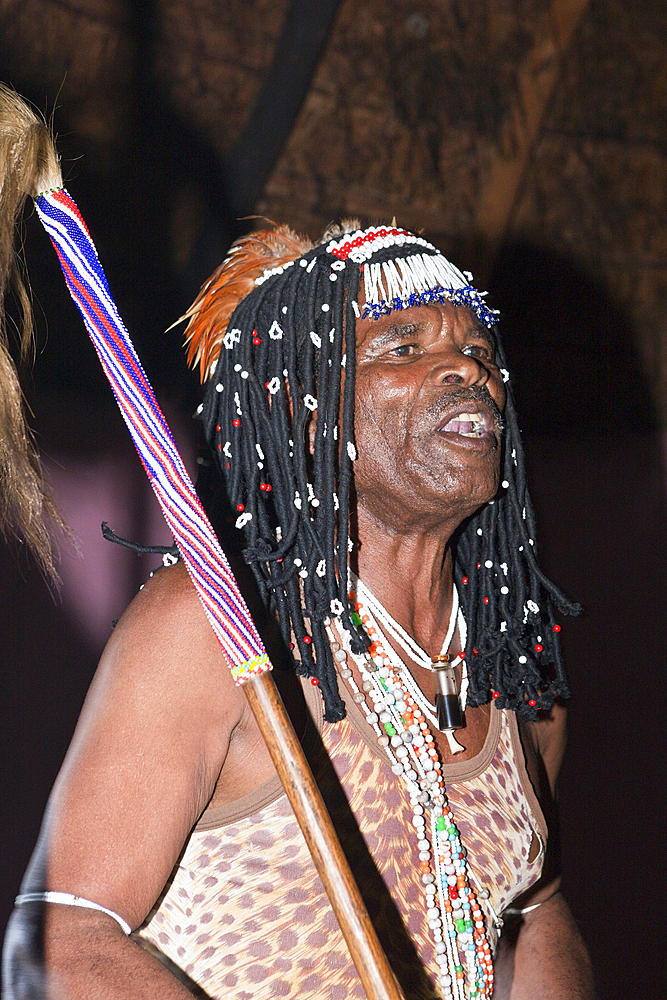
281	315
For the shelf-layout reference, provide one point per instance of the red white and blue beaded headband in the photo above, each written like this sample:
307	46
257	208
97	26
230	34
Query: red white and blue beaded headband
414	274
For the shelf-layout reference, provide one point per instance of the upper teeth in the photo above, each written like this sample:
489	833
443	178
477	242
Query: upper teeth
475	420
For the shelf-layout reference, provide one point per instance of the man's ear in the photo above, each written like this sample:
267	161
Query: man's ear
312	429
312	423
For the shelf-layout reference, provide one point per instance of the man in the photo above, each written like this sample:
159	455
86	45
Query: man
354	413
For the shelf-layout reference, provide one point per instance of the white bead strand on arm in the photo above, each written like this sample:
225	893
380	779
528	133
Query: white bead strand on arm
68	899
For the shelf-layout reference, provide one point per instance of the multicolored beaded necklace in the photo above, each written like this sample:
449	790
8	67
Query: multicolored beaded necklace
463	953
412	649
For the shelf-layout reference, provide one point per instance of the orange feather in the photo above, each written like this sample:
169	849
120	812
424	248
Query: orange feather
219	296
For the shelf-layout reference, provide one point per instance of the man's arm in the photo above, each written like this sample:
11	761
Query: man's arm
542	953
63	953
144	762
550	958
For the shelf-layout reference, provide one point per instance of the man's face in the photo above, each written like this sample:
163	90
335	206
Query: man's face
427	426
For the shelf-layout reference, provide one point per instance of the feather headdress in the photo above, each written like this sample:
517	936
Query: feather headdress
212	310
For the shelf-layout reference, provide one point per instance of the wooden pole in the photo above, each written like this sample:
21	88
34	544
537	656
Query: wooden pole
332	866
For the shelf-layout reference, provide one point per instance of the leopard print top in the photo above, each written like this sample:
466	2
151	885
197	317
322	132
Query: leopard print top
245	917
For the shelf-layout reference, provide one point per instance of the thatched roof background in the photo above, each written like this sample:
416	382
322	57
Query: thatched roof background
485	123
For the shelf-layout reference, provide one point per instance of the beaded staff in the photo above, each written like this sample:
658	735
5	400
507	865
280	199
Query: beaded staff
213	579
192	531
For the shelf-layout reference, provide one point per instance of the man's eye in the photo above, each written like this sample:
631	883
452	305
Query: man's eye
478	351
403	350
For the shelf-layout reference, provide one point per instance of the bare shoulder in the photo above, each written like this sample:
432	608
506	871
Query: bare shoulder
165	638
167	605
163	680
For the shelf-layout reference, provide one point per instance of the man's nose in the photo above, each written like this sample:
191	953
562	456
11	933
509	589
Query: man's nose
458	369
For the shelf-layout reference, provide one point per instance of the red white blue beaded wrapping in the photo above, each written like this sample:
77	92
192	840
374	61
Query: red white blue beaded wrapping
197	542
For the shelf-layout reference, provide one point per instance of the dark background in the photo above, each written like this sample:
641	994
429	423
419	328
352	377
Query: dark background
529	140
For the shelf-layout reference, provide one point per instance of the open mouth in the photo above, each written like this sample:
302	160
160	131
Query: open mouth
470	425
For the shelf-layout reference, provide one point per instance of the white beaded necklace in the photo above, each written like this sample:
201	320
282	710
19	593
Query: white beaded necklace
413	650
463	954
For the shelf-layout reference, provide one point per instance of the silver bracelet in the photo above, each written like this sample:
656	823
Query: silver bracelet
67	899
526	909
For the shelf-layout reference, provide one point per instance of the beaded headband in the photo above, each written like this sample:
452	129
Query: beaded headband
400	281
398	268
